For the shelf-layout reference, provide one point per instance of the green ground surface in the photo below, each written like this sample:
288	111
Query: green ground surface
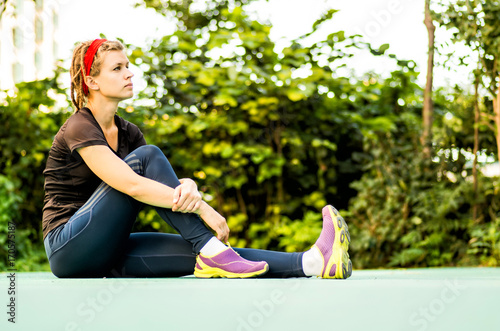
413	299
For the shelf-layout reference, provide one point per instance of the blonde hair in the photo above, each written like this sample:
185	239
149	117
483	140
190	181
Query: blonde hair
78	98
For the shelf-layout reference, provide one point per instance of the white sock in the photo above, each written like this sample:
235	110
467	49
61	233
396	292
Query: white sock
212	247
312	263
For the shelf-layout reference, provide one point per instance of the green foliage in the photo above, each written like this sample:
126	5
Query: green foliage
412	212
262	131
27	129
484	242
9	207
475	23
271	136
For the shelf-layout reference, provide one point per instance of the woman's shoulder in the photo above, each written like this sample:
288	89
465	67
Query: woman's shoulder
82	119
82	128
81	116
72	122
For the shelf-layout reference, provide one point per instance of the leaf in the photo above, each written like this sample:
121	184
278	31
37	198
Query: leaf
225	99
295	94
205	78
325	17
380	51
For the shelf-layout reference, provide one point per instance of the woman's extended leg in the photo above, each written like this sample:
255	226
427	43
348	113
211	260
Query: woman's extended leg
168	255
165	255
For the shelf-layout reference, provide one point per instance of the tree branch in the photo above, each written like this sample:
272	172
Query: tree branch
488	116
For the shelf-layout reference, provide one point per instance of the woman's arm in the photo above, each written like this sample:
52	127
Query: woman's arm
116	173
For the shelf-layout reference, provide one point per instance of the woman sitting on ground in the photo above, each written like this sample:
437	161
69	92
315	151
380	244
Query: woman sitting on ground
99	174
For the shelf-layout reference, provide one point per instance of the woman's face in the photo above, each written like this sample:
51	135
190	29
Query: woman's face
115	79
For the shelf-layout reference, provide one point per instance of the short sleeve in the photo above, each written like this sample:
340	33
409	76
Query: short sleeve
82	131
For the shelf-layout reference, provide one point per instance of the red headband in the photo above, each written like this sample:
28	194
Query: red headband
89	58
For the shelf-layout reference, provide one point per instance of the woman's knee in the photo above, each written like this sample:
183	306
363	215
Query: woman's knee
141	157
149	161
148	150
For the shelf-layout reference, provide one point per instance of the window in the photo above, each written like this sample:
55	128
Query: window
55	19
19	8
38	60
17	37
39	5
17	72
55	49
38	29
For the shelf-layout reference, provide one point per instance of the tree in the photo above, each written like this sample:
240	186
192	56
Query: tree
428	107
475	23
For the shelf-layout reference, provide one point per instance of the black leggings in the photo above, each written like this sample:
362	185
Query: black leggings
96	241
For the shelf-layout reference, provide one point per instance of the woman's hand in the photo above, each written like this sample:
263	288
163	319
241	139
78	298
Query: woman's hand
187	198
215	221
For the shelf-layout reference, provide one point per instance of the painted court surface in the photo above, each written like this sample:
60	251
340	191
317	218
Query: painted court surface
412	299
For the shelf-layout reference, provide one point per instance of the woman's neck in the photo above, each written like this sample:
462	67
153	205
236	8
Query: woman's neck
104	112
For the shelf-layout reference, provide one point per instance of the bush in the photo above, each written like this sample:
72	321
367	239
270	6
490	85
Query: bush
29	119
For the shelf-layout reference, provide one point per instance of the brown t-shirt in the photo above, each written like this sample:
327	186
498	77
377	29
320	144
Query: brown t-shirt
69	182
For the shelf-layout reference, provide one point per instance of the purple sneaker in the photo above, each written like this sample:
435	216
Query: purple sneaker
228	264
333	244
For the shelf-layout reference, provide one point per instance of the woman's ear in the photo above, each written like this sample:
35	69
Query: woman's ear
91	83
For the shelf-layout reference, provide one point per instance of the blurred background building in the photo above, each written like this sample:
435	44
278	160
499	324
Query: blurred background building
28	40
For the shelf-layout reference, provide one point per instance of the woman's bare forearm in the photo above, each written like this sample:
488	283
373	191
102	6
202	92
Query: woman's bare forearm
157	194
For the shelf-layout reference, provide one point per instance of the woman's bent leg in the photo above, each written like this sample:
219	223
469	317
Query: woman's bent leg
94	239
149	161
